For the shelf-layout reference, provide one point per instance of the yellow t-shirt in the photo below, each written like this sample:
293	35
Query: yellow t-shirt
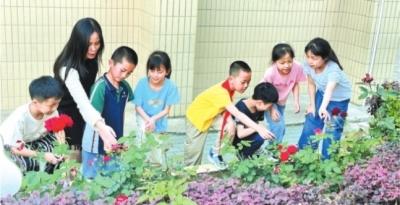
207	105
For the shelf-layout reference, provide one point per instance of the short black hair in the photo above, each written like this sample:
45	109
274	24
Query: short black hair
266	92
125	52
45	87
158	58
237	66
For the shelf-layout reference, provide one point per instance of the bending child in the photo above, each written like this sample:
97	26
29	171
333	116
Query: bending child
264	96
24	131
329	89
154	96
284	74
211	107
109	96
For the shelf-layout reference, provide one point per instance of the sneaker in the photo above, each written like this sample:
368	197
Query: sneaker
217	160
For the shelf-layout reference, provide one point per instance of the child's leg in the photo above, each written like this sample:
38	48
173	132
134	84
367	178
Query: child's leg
46	144
140	130
217	125
255	141
158	155
276	127
334	128
89	164
311	123
24	163
194	145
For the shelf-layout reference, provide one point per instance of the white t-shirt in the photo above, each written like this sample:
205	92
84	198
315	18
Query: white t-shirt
21	125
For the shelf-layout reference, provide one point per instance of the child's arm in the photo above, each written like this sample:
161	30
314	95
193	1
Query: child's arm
296	94
48	156
311	94
244	132
248	122
322	112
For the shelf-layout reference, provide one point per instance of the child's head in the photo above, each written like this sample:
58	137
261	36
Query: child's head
46	93
158	67
239	76
122	63
319	53
282	56
265	94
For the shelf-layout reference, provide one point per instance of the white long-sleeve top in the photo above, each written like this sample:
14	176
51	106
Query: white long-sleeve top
74	86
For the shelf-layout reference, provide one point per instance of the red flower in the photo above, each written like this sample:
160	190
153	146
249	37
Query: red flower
106	158
317	131
343	114
56	124
67	120
121	199
335	111
367	79
292	149
284	156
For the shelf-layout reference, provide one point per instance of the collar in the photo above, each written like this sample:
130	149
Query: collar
227	87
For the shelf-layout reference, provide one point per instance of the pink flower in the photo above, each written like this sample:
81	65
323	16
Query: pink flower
317	131
277	169
367	78
121	199
280	147
106	158
335	111
292	149
343	114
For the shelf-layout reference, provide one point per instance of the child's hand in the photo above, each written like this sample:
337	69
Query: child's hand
107	134
264	133
150	125
324	114
60	136
230	129
296	107
51	158
275	114
310	109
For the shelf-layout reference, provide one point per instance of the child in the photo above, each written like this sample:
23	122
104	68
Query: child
154	97
285	74
24	133
265	94
109	96
328	88
206	109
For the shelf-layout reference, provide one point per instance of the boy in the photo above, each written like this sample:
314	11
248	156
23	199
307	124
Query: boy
206	109
264	96
23	132
109	96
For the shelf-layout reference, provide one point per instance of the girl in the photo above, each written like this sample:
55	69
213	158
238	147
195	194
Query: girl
76	67
285	74
329	91
154	96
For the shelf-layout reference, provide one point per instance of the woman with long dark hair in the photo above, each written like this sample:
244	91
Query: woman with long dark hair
76	67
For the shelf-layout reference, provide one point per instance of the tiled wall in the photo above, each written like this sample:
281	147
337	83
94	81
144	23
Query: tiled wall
202	37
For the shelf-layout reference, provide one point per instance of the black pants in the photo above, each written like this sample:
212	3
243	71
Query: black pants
44	144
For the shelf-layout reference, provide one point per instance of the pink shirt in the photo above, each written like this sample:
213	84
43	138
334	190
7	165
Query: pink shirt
284	83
